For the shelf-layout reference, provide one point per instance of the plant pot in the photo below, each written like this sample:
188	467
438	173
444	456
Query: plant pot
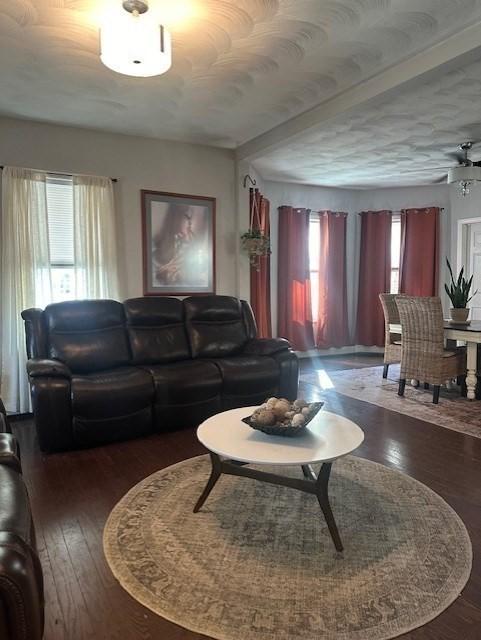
459	316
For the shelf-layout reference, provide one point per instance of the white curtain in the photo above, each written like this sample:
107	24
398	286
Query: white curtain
25	270
25	261
95	248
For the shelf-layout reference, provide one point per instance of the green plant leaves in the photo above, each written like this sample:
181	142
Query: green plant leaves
459	288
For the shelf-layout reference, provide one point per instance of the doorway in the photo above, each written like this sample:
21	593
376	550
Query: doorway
469	257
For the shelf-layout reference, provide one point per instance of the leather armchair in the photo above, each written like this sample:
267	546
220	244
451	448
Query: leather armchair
21	580
102	371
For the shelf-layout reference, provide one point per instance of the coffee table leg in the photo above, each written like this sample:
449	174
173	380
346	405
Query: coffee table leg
307	471
323	498
319	484
214	476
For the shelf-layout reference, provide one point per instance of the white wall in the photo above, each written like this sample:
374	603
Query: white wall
462	209
138	163
143	163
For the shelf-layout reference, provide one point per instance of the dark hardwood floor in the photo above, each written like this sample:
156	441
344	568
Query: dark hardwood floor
73	493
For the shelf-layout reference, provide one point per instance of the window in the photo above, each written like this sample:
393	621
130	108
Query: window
395	252
56	228
59	193
314	259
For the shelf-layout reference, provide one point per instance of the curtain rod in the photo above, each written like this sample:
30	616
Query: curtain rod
359	212
403	210
60	173
344	213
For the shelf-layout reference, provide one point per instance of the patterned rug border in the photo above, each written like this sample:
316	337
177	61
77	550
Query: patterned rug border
146	601
416	403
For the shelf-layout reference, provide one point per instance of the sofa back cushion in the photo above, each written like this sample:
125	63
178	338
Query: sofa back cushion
156	330
215	326
88	335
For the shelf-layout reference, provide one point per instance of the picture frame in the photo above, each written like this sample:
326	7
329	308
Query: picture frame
178	244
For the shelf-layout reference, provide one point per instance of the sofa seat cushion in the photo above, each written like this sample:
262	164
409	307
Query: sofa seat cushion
111	393
185	382
248	375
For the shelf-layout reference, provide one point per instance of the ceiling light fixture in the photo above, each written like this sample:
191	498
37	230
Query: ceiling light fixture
467	173
134	44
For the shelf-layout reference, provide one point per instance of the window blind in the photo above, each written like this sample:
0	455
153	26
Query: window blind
60	220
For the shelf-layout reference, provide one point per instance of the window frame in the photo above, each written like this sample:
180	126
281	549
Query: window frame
314	220
395	221
57	294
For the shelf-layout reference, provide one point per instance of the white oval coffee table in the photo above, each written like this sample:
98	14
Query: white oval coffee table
233	445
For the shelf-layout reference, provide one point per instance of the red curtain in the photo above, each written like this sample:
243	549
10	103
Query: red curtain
294	287
261	276
374	276
333	330
420	251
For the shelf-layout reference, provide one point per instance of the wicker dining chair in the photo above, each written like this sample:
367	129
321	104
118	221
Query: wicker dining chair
423	356
392	346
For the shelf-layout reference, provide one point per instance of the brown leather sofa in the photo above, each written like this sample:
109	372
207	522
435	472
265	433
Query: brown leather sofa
21	581
102	371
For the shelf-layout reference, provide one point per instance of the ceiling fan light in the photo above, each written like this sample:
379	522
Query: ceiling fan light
464	188
464	174
135	45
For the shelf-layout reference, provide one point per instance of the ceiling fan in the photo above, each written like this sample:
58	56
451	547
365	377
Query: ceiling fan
465	173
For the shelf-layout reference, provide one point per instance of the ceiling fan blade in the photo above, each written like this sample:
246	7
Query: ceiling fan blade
456	155
423	170
440	180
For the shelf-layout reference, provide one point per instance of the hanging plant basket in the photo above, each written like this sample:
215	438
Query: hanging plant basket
256	245
254	242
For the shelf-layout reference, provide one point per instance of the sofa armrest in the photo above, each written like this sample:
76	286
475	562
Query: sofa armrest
21	581
52	410
40	368
50	388
4	425
289	369
266	346
10	452
21	591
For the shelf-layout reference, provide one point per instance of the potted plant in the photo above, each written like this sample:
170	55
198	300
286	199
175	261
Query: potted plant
256	244
458	292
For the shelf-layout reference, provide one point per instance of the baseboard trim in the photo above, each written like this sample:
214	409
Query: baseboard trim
341	351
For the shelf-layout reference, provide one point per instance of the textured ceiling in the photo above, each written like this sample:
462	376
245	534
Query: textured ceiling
401	141
240	66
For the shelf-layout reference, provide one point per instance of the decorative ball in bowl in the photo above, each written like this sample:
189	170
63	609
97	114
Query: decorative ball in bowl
279	417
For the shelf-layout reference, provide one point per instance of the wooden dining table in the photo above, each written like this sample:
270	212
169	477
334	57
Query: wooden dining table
471	335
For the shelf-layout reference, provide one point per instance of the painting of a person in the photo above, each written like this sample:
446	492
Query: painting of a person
180	243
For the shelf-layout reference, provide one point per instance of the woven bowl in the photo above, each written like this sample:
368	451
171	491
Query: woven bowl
288	431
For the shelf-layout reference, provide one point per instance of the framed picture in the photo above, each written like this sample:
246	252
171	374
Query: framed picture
178	244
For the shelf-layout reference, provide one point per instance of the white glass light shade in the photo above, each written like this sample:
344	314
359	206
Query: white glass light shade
464	174
135	46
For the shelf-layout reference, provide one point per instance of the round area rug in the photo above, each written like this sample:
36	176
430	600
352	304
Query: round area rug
257	561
